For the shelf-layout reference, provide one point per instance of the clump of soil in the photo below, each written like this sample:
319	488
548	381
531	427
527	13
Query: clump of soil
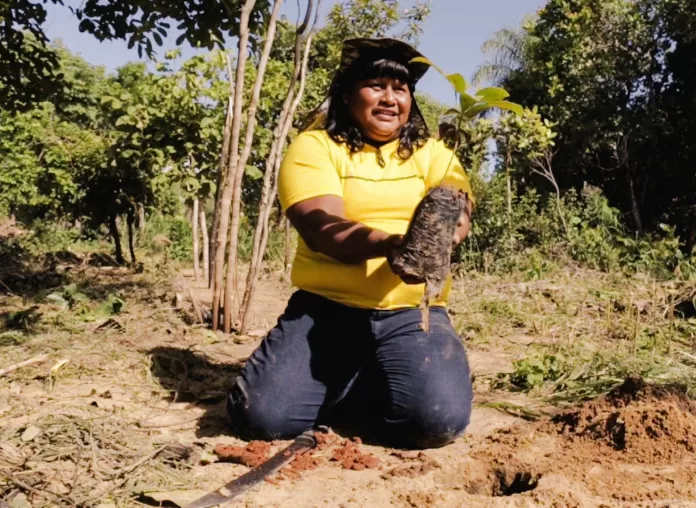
350	456
326	439
648	424
306	461
255	453
347	454
425	255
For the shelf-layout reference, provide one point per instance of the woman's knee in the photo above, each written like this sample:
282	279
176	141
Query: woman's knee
436	425
259	417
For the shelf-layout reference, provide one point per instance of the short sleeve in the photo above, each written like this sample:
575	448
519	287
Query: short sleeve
440	159
308	170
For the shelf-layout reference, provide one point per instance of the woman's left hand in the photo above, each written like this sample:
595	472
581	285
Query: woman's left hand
463	227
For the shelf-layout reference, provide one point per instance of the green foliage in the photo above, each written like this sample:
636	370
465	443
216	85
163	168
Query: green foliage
471	106
532	237
42	155
616	78
506	47
142	22
29	68
576	372
533	371
48	236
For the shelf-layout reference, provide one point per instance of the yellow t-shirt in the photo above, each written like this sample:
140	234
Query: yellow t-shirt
379	197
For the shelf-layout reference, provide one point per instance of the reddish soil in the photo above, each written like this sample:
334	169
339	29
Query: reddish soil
647	424
350	456
636	444
255	453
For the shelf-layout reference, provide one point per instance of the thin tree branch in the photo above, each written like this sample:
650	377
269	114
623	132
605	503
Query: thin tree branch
240	164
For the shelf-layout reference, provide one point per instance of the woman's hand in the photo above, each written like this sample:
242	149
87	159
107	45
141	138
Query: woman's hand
463	228
463	224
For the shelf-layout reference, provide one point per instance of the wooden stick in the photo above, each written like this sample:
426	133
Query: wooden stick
12	368
196	307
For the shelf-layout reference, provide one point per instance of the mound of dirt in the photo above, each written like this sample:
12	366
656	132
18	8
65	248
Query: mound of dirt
636	444
648	424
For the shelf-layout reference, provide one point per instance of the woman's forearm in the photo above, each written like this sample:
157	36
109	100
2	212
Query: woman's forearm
344	240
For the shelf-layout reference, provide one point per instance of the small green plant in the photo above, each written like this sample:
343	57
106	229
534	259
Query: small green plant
470	106
68	297
533	371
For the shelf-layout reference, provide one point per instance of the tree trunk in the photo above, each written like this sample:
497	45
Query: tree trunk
142	224
113	230
280	219
131	233
635	209
222	176
196	247
508	182
240	164
206	245
266	203
222	207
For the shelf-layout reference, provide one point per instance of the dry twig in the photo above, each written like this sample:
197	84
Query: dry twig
16	366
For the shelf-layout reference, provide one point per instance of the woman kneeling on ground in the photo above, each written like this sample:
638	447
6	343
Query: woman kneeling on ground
350	341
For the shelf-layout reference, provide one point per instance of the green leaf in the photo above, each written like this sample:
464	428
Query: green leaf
509	106
534	380
466	101
492	94
253	172
458	82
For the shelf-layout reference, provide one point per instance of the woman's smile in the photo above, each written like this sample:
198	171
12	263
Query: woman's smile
386	115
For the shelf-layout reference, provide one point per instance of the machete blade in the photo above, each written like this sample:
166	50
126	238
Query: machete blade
232	489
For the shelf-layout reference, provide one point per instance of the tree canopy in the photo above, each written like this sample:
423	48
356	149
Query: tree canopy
616	78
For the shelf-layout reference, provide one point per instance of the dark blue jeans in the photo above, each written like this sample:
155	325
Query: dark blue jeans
324	360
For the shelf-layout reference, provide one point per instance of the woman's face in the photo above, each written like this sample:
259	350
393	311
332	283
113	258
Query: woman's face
381	107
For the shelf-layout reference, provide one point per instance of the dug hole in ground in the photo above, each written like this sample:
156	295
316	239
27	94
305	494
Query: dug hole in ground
136	416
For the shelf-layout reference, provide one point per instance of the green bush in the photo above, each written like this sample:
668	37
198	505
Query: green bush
535	235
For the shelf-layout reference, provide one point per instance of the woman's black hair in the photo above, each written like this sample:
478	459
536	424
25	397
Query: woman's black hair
341	126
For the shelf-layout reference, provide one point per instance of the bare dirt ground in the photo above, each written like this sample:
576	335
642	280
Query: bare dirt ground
127	409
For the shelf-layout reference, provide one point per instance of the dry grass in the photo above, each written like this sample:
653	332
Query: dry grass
582	331
97	421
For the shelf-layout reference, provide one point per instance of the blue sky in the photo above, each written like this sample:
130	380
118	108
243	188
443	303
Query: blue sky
452	36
